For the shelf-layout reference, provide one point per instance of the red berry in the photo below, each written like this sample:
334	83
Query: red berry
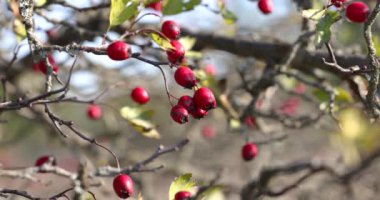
45	160
123	186
357	11
179	114
265	6
140	95
204	99
186	102
208	132
185	77
118	50
40	66
249	151
338	3
198	113
94	112
250	122
177	53
157	6
210	69
171	29
182	195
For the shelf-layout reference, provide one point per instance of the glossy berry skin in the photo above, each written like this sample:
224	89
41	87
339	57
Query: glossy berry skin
94	112
249	151
179	114
186	102
198	113
357	12
265	6
171	29
123	186
118	50
44	160
185	77
182	195
140	95
338	3
177	53
40	66
204	99
155	6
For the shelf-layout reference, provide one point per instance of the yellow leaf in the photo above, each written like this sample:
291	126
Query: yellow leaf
135	112
181	183
187	42
313	14
19	30
353	124
234	124
162	42
145	128
122	10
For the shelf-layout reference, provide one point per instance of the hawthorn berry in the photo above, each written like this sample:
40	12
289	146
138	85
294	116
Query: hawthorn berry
210	70
179	114
182	195
171	29
140	95
185	77
186	102
265	6
249	151
177	53
94	112
250	122
123	186
204	99
198	113
44	160
41	66
118	50
357	11
338	3
157	6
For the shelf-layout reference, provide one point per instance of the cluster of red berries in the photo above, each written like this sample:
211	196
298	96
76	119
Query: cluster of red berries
266	6
197	106
41	66
172	31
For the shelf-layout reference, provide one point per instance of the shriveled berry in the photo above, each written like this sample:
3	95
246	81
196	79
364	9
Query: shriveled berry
118	50
94	112
185	77
45	160
182	195
187	102
171	29
123	186
338	3
249	151
204	99
157	6
265	6
140	95
357	11
177	53
198	113
41	66
179	114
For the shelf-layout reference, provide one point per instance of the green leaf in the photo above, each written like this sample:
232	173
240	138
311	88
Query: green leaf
376	42
122	10
161	41
213	193
145	128
323	27
228	16
181	183
341	96
172	7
